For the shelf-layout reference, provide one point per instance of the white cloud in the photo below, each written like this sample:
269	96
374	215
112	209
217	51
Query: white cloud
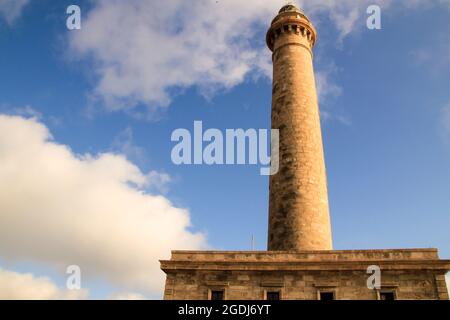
27	112
143	49
159	180
435	58
146	51
325	86
127	296
327	89
124	144
25	286
10	10
327	116
60	208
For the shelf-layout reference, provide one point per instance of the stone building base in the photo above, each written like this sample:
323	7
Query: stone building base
305	275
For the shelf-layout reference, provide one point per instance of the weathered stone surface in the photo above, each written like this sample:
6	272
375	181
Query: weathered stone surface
298	200
410	273
300	262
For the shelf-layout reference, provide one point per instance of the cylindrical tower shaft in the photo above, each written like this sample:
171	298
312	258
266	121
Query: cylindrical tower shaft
298	207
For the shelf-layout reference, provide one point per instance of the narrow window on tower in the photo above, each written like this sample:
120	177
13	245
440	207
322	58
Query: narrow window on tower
387	295
217	295
326	295
273	295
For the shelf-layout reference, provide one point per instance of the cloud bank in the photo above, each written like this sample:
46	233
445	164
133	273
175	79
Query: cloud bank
126	296
145	51
25	286
61	208
10	10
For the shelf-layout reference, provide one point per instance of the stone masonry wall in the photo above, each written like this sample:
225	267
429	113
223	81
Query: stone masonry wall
346	285
298	206
409	273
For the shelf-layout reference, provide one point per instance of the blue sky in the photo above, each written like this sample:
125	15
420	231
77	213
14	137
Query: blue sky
385	105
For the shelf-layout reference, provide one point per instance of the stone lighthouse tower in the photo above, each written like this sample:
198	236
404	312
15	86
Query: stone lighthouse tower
298	207
300	263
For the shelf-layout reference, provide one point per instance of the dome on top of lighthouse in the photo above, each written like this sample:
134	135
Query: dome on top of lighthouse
290	7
